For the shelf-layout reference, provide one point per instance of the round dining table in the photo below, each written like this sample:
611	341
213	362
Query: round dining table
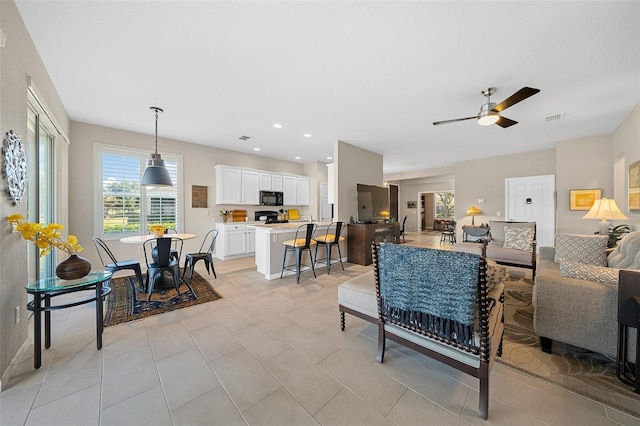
140	239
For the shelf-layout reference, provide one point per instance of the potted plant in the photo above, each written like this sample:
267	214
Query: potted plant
48	237
615	234
225	214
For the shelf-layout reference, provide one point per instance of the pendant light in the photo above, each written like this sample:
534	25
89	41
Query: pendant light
156	173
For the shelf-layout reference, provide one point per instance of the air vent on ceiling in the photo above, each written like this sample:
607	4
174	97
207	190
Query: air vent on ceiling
554	117
244	138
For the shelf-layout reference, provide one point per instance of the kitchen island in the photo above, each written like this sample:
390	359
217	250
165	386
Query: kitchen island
270	250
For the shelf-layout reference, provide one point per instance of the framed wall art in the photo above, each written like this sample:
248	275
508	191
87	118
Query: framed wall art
412	204
582	199
634	186
199	196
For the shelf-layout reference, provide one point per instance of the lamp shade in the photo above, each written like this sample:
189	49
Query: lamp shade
604	209
156	174
473	211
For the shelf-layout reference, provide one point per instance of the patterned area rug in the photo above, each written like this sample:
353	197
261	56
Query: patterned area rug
123	307
583	372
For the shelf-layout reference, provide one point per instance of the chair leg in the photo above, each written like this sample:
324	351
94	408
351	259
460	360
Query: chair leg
313	262
340	256
381	342
284	259
150	284
209	259
329	247
138	272
298	256
187	262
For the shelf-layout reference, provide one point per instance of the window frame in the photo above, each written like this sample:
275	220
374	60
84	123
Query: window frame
98	202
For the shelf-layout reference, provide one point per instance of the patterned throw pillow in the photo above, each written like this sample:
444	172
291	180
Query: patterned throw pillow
518	238
583	271
589	249
496	274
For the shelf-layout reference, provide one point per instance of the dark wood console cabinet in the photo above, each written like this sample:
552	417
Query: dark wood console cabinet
360	236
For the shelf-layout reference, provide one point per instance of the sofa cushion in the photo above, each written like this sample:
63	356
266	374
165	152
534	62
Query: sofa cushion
518	238
497	230
589	249
587	272
359	294
501	254
627	254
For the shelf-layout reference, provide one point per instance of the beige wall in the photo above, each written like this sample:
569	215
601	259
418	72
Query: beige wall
584	163
484	178
19	61
626	151
353	165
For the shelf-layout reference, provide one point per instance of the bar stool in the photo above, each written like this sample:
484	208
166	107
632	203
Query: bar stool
330	239
298	245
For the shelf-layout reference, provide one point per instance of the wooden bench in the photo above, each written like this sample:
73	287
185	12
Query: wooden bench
361	297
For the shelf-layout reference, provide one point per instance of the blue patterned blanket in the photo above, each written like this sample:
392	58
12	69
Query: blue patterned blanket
433	291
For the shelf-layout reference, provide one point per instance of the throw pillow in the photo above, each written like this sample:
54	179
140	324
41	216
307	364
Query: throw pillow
589	249
583	271
518	238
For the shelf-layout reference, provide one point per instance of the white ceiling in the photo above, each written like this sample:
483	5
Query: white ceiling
372	74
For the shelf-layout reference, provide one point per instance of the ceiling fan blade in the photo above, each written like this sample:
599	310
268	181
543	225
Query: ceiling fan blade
505	122
435	123
519	96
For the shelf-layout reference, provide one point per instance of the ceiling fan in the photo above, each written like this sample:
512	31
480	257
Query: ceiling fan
490	112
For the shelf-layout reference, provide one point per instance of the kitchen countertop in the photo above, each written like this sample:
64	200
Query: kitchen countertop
293	225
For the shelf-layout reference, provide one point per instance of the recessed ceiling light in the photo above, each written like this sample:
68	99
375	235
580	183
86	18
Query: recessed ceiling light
329	158
297	158
278	126
307	135
256	149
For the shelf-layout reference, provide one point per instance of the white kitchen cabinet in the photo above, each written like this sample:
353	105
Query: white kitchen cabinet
228	185
302	191
276	182
250	185
237	186
235	240
290	190
296	190
265	181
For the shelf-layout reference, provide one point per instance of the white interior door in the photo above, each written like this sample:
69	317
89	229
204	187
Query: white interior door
533	199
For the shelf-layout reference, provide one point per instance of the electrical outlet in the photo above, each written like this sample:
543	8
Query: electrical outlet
17	314
275	238
498	214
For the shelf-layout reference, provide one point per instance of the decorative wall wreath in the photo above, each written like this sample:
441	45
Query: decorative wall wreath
15	166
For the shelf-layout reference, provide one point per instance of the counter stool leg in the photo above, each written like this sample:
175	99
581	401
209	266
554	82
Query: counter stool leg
99	318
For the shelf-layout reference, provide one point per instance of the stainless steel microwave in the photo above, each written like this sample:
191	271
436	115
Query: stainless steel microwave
271	198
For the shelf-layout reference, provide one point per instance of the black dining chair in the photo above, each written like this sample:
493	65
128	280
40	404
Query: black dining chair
115	265
449	232
330	239
301	242
162	262
404	222
205	253
174	252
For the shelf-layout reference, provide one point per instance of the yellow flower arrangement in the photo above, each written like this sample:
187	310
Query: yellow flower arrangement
157	229
45	237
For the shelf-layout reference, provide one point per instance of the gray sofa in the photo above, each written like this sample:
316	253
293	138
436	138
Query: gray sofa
581	312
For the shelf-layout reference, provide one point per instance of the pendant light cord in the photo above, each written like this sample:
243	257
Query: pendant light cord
157	110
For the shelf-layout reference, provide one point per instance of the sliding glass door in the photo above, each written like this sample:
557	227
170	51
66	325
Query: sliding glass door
40	145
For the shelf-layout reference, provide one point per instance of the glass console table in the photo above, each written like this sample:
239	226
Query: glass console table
45	289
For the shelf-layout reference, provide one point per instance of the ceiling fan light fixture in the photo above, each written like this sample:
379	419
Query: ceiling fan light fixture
488	118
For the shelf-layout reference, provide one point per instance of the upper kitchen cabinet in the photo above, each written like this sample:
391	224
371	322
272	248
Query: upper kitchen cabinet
236	186
265	181
296	190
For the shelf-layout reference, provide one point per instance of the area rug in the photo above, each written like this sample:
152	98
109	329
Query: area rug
586	373
123	307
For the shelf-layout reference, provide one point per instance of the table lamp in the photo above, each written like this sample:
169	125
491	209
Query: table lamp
604	209
473	212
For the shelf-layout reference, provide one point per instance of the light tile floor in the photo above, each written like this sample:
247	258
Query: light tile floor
268	353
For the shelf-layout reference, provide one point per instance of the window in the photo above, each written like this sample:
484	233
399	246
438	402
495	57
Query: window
444	204
126	207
